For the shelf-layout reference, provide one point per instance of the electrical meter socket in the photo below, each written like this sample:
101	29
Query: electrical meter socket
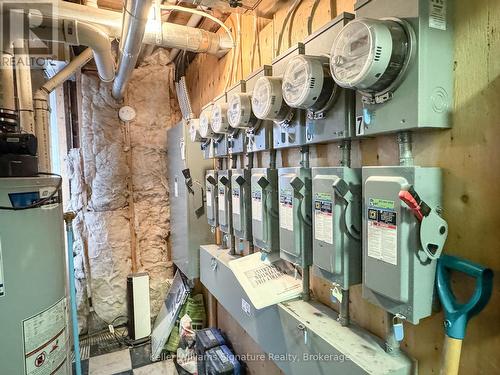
211	183
295	229
237	138
205	131
265	214
224	198
308	84
336	194
219	129
268	104
398	56
241	203
259	133
398	275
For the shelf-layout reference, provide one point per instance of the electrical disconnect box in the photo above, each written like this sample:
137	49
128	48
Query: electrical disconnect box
186	175
220	126
241	200
403	235
294	187
224	198
398	56
207	136
308	84
336	194
259	133
265	214
268	104
211	187
237	138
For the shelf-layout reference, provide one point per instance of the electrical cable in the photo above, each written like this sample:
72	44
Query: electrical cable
285	22
40	202
311	16
292	16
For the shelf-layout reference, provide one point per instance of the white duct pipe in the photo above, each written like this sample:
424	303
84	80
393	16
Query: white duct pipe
41	106
25	90
8	114
135	17
193	21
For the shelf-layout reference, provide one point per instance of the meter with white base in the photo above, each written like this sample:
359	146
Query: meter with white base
295	227
336	194
236	115
398	56
268	104
219	125
205	131
265	217
308	84
403	235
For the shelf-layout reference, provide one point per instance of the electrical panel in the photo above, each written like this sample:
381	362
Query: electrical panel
224	199
308	84
188	210
398	56
336	194
237	138
258	132
268	104
211	187
220	126
241	200
265	214
403	235
295	227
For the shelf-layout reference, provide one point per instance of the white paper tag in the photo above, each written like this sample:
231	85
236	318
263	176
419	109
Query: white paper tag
437	14
286	209
245	306
222	200
176	188
236	200
257	205
209	198
336	293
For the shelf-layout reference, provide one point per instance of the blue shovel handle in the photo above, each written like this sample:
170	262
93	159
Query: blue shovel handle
457	314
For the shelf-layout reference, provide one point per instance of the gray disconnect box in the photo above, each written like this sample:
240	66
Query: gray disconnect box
294	187
398	274
211	197
332	115
224	200
404	81
265	216
241	203
336	194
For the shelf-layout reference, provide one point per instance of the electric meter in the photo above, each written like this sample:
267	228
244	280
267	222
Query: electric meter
267	100
308	84
205	128
239	112
371	55
194	133
219	119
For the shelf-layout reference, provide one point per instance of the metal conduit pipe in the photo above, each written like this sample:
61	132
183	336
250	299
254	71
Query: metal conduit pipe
8	112
25	90
135	17
41	106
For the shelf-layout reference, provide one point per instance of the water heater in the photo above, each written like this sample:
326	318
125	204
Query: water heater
33	314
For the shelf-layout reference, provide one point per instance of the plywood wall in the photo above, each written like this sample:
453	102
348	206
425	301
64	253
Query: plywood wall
469	155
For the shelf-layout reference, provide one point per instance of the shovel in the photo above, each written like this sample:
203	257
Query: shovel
457	314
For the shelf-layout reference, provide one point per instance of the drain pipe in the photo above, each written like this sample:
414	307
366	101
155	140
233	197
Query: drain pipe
306	294
135	17
25	90
41	106
9	119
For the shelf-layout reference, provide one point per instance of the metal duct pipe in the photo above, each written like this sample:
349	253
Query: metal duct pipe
135	17
193	21
8	113
25	90
41	106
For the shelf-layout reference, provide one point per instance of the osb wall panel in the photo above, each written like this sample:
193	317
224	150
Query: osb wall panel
468	153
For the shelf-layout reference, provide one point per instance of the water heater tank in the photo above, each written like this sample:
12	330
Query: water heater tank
34	336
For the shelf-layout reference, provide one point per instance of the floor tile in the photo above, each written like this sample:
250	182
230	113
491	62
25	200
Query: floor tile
109	364
141	355
157	368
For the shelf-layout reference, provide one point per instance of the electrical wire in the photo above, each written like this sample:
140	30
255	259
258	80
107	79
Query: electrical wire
292	16
285	22
311	16
42	201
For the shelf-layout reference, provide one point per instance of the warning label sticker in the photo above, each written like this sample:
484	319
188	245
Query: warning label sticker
382	231
236	200
286	209
2	280
437	14
323	217
45	341
257	204
222	200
